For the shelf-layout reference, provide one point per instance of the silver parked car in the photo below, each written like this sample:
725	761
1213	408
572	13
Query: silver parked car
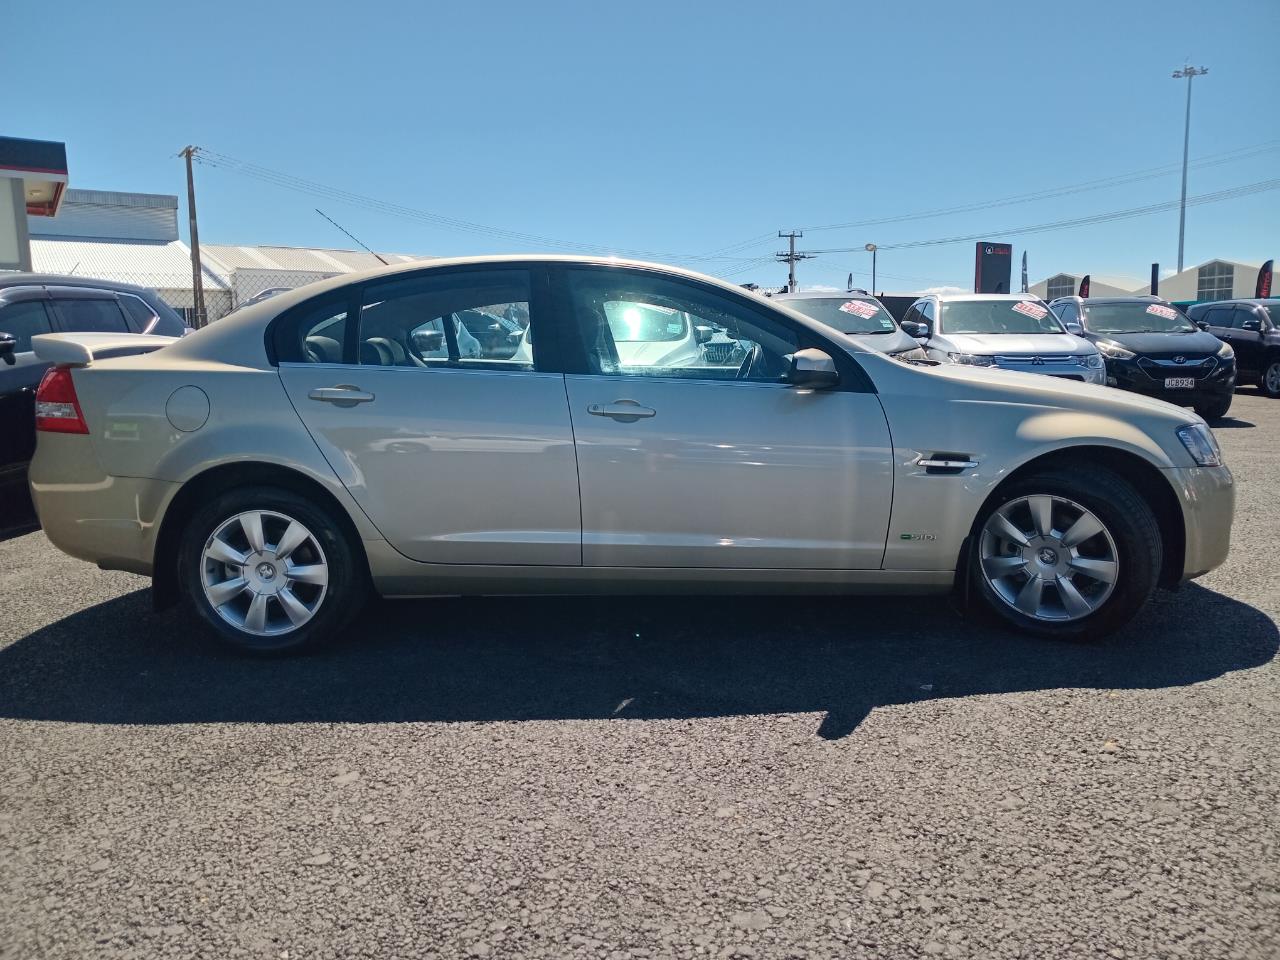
275	466
859	316
1010	331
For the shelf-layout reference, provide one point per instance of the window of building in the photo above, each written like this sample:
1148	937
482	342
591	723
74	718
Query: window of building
1215	281
1060	286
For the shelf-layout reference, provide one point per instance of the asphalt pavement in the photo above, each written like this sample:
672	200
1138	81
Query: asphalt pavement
647	777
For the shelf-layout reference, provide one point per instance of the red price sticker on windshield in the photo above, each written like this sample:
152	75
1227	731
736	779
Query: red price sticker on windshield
860	308
1029	309
1160	310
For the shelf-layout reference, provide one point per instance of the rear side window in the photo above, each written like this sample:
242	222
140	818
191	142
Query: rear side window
22	321
476	318
141	316
90	316
318	335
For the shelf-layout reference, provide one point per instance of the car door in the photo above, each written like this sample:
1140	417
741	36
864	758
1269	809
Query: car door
22	320
1246	336
710	460
457	457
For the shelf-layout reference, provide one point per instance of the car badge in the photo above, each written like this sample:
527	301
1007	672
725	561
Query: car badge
1179	359
1037	361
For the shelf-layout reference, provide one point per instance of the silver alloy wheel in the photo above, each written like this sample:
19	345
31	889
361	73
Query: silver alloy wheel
264	573
1048	558
1272	377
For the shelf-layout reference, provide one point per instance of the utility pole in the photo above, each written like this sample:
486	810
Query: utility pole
790	257
199	317
1190	73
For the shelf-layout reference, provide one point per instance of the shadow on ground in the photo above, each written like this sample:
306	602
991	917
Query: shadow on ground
518	659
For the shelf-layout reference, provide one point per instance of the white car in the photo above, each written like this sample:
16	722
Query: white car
1008	331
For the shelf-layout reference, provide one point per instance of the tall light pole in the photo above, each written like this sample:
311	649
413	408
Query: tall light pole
871	249
1190	73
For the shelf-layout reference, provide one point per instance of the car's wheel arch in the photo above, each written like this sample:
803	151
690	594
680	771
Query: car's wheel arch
203	486
1145	477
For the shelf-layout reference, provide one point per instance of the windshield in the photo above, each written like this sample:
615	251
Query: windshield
846	314
1135	317
998	316
632	322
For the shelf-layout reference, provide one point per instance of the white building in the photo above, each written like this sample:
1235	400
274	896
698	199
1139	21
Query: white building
1100	285
133	238
1211	280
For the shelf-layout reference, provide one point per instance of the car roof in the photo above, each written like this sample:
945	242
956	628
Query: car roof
1145	298
822	295
960	297
61	280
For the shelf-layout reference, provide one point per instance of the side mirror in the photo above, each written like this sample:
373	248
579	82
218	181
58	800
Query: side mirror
812	368
514	336
1073	327
703	333
8	344
913	328
1202	324
1253	324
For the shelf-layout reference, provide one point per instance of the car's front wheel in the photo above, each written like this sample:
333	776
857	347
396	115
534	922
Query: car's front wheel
1270	380
1067	554
1214	408
269	571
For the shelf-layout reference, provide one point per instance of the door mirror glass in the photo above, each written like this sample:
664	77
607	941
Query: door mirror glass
1073	327
812	368
1202	324
8	345
1253	324
915	328
427	341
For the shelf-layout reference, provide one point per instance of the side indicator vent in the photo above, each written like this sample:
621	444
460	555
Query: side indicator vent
946	463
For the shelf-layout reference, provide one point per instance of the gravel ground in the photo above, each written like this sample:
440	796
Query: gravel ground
647	778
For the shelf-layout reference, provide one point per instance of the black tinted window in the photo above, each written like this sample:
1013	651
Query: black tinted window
141	316
1217	317
1240	315
22	321
91	316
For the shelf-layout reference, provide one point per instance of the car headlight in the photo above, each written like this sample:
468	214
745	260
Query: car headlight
1091	360
916	353
1225	352
973	359
1114	351
1201	444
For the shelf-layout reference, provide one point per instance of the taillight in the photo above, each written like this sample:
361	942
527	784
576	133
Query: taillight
57	408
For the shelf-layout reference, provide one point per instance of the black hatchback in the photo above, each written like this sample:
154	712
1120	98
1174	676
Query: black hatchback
1151	347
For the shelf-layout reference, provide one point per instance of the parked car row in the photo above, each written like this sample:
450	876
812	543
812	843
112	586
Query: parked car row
651	430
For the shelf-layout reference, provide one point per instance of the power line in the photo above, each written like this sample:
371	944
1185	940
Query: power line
1231	193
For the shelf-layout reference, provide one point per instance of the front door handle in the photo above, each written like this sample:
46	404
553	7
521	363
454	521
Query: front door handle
624	411
343	395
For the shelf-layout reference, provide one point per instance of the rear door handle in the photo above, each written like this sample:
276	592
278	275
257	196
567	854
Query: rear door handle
343	395
624	411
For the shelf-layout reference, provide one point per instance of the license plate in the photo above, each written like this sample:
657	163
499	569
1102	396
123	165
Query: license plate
1179	383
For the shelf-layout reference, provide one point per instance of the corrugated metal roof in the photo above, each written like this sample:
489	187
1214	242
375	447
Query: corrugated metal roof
147	263
309	259
114	198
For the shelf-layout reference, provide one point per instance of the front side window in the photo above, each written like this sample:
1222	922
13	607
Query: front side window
91	316
641	325
1242	314
998	317
469	319
848	314
1066	312
1214	281
1135	317
24	320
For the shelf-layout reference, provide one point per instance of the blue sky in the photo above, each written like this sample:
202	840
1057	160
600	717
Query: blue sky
678	129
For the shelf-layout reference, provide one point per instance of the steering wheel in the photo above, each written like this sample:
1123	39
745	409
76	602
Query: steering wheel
750	363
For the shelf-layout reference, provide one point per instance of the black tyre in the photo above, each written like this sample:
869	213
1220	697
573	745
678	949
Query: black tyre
1270	379
270	571
1214	408
1067	554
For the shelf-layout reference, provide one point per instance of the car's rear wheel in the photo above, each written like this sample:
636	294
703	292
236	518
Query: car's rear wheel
269	571
1067	554
1270	381
1215	408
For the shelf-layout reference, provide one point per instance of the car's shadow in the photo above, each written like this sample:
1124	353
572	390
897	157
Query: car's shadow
1231	423
639	658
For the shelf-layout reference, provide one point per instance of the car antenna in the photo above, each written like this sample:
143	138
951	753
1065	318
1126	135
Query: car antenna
351	235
